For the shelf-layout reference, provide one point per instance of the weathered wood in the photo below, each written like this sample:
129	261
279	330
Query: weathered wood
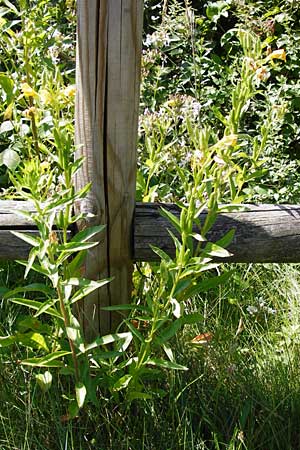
11	247
10	218
264	233
109	40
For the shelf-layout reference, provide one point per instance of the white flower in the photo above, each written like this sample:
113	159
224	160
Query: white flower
252	309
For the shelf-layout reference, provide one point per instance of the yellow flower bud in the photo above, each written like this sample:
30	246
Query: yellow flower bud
45	166
278	54
28	91
8	112
70	91
227	141
30	112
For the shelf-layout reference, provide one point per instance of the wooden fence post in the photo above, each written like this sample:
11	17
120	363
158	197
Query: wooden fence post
109	40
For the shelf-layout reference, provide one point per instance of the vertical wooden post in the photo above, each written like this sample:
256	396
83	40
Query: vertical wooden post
109	40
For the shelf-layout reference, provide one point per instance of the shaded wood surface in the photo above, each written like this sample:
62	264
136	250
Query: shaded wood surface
12	247
109	47
265	233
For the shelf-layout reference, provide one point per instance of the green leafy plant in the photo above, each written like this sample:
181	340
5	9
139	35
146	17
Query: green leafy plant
217	169
58	257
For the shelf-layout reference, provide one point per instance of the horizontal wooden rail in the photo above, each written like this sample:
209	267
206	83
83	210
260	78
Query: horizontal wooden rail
264	233
11	247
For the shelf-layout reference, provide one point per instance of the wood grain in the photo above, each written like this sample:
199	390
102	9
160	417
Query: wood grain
109	39
12	247
264	233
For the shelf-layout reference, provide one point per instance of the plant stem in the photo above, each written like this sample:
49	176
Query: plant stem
67	324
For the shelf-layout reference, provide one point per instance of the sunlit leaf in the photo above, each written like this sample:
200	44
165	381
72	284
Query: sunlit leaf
44	380
80	394
35	242
88	233
10	158
122	382
34	287
46	361
32	339
171	218
33	304
166	364
109	339
6	126
5	341
85	287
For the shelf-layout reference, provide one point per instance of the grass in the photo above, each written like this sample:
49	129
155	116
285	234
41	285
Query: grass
242	391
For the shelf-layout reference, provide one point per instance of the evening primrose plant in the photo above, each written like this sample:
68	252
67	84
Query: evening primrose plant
58	258
218	169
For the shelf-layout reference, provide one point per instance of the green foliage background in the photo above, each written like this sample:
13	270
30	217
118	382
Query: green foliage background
242	388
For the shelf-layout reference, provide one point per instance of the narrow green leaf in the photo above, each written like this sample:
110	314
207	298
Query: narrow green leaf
126	308
108	339
45	306
76	263
212	249
33	304
166	364
194	270
35	242
181	286
172	218
135	331
88	233
226	239
46	361
11	7
168	352
71	247
206	285
32	256
163	255
176	241
175	326
34	287
87	286
36	267
198	237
